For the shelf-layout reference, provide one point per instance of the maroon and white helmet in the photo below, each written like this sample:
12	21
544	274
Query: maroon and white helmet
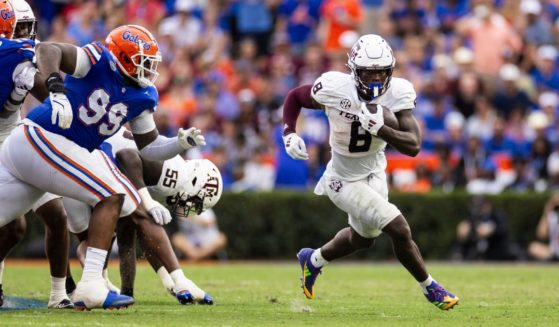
200	191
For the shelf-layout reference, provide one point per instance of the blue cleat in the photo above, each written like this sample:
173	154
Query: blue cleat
185	297
309	272
112	301
208	300
440	297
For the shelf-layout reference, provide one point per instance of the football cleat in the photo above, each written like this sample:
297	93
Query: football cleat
440	297
64	304
309	271
208	300
95	294
185	297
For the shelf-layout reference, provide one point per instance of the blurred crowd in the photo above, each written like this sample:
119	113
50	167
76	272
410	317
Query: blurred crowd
486	74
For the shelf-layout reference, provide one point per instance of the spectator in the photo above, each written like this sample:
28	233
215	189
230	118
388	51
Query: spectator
510	97
338	16
484	234
198	237
493	39
547	233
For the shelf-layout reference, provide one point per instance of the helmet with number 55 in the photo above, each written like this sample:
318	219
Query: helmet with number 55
201	190
371	62
136	53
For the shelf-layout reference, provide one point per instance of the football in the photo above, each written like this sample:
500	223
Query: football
390	119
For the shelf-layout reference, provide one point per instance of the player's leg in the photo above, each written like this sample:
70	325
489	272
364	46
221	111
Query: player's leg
357	199
10	235
126	239
61	167
51	210
409	255
155	240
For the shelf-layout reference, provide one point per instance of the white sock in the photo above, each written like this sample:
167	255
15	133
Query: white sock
166	279
183	283
57	288
426	283
317	260
1	271
93	265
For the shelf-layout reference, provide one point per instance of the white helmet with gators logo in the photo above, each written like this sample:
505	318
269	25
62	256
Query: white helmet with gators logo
371	62
200	191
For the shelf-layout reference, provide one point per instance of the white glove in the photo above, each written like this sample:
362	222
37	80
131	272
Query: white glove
158	213
369	121
24	81
295	147
190	138
61	109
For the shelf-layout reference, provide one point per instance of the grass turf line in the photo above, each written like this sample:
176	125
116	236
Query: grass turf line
268	294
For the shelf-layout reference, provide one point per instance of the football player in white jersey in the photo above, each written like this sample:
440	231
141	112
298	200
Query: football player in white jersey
185	187
17	49
355	179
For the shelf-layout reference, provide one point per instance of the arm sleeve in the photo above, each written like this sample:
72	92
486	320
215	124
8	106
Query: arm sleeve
295	100
143	123
162	148
83	64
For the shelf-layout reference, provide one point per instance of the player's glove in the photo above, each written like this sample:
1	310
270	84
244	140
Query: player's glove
61	107
158	213
371	122
24	81
190	138
295	147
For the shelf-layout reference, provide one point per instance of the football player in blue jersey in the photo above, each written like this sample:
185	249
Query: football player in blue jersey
17	50
107	86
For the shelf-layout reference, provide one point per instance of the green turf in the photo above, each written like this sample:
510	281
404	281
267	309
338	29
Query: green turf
268	294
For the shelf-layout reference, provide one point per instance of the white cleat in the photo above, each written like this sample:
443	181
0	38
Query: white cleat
63	303
95	294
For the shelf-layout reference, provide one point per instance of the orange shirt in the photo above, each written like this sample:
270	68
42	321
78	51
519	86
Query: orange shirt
332	10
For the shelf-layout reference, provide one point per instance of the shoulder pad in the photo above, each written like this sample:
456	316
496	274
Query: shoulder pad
335	90
401	95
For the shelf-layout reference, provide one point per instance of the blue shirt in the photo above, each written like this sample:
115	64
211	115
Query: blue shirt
102	101
12	52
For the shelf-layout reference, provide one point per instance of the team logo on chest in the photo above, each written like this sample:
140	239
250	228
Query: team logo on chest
335	185
345	104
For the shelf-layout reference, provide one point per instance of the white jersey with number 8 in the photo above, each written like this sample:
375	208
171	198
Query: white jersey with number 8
356	153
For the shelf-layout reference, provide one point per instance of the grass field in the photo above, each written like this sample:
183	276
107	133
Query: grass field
268	294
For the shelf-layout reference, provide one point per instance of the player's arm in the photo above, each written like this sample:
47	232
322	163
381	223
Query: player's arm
23	78
296	99
53	58
141	172
407	139
153	146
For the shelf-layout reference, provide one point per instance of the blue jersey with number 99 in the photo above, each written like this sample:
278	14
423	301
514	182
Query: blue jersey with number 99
102	101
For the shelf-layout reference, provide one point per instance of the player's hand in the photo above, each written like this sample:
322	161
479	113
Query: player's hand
24	80
160	214
190	138
371	122
61	110
295	147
